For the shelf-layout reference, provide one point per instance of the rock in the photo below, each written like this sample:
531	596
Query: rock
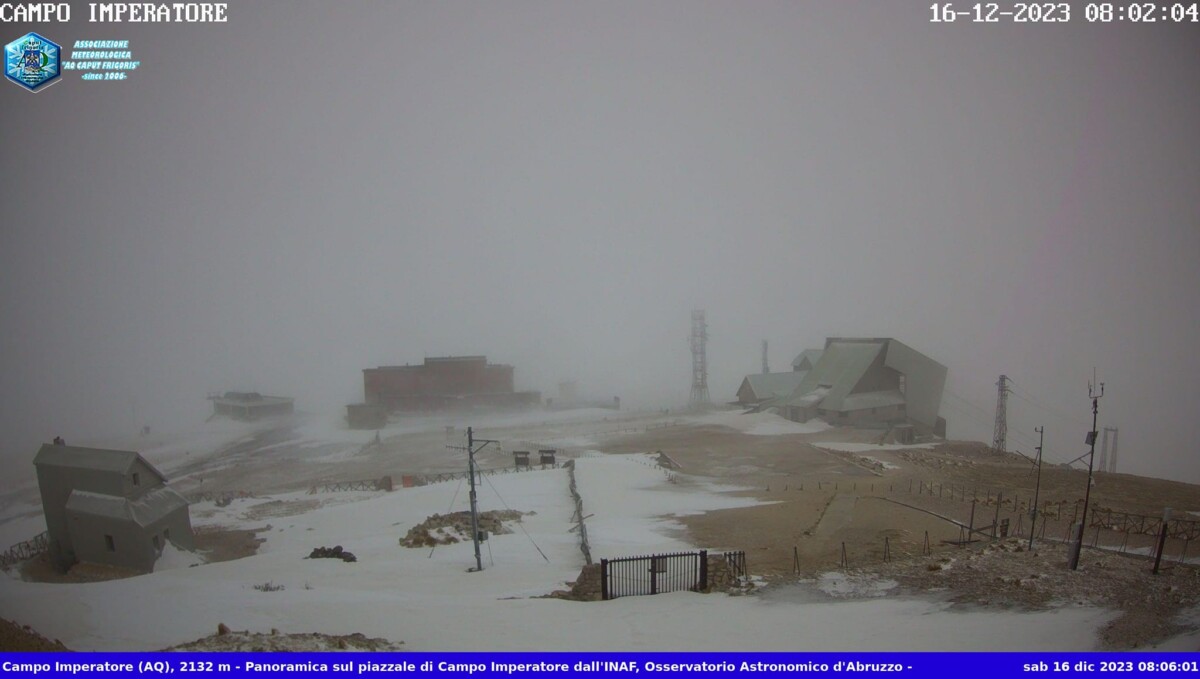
222	629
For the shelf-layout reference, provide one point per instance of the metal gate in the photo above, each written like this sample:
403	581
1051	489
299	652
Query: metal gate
655	574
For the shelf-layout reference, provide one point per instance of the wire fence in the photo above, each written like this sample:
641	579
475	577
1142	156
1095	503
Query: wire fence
25	550
996	513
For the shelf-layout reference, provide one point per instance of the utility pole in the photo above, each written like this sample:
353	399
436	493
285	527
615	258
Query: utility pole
471	450
999	439
1073	561
1037	486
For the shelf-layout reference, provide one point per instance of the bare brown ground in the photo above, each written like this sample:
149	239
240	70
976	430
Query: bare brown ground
14	637
834	510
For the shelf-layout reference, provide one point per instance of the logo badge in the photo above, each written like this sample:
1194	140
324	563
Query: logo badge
31	61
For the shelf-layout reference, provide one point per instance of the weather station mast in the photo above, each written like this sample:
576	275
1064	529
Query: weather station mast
1077	541
471	450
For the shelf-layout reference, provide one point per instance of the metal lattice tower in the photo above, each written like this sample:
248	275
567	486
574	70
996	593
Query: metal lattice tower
1000	437
765	368
698	342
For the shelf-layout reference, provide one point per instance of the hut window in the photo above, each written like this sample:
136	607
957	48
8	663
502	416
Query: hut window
109	544
136	480
157	544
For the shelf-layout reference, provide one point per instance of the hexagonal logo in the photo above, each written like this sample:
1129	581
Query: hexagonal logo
32	61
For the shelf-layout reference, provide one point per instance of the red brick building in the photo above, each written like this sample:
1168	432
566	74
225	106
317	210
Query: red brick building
445	382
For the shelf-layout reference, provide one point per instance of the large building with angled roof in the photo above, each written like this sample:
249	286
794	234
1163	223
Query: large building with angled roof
108	507
867	381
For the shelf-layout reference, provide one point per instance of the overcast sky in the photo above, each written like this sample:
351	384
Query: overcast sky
313	188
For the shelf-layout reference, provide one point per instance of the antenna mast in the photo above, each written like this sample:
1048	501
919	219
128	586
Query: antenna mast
1000	436
699	341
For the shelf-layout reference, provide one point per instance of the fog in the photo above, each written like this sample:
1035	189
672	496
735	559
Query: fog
311	189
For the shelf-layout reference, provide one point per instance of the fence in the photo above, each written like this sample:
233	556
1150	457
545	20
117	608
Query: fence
382	483
736	563
655	574
579	515
25	550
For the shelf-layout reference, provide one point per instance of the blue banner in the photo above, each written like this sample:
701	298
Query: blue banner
478	665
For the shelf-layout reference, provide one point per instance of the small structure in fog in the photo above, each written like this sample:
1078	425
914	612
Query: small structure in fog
251	405
765	386
366	416
108	507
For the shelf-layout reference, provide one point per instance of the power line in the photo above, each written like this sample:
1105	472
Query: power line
519	523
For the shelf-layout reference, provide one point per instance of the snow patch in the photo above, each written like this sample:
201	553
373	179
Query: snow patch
758	424
174	557
868	447
846	586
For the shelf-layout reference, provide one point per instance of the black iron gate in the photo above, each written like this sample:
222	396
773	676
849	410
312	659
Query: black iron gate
655	574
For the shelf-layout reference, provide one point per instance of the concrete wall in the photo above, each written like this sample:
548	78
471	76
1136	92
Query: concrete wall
56	484
134	546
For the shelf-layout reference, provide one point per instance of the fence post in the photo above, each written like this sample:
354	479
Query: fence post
654	575
703	569
845	561
604	579
996	520
1162	539
795	559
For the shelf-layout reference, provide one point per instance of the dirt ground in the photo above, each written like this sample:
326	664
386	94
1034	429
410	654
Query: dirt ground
15	637
835	511
896	514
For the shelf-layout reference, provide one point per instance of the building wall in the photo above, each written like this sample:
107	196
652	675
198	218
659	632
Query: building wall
133	546
56	484
435	384
745	393
924	382
252	411
878	417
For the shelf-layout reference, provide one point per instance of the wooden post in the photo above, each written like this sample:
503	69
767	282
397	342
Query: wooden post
604	579
996	520
972	531
1162	539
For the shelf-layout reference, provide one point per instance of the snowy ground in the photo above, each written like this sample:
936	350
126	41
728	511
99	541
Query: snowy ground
757	424
427	599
